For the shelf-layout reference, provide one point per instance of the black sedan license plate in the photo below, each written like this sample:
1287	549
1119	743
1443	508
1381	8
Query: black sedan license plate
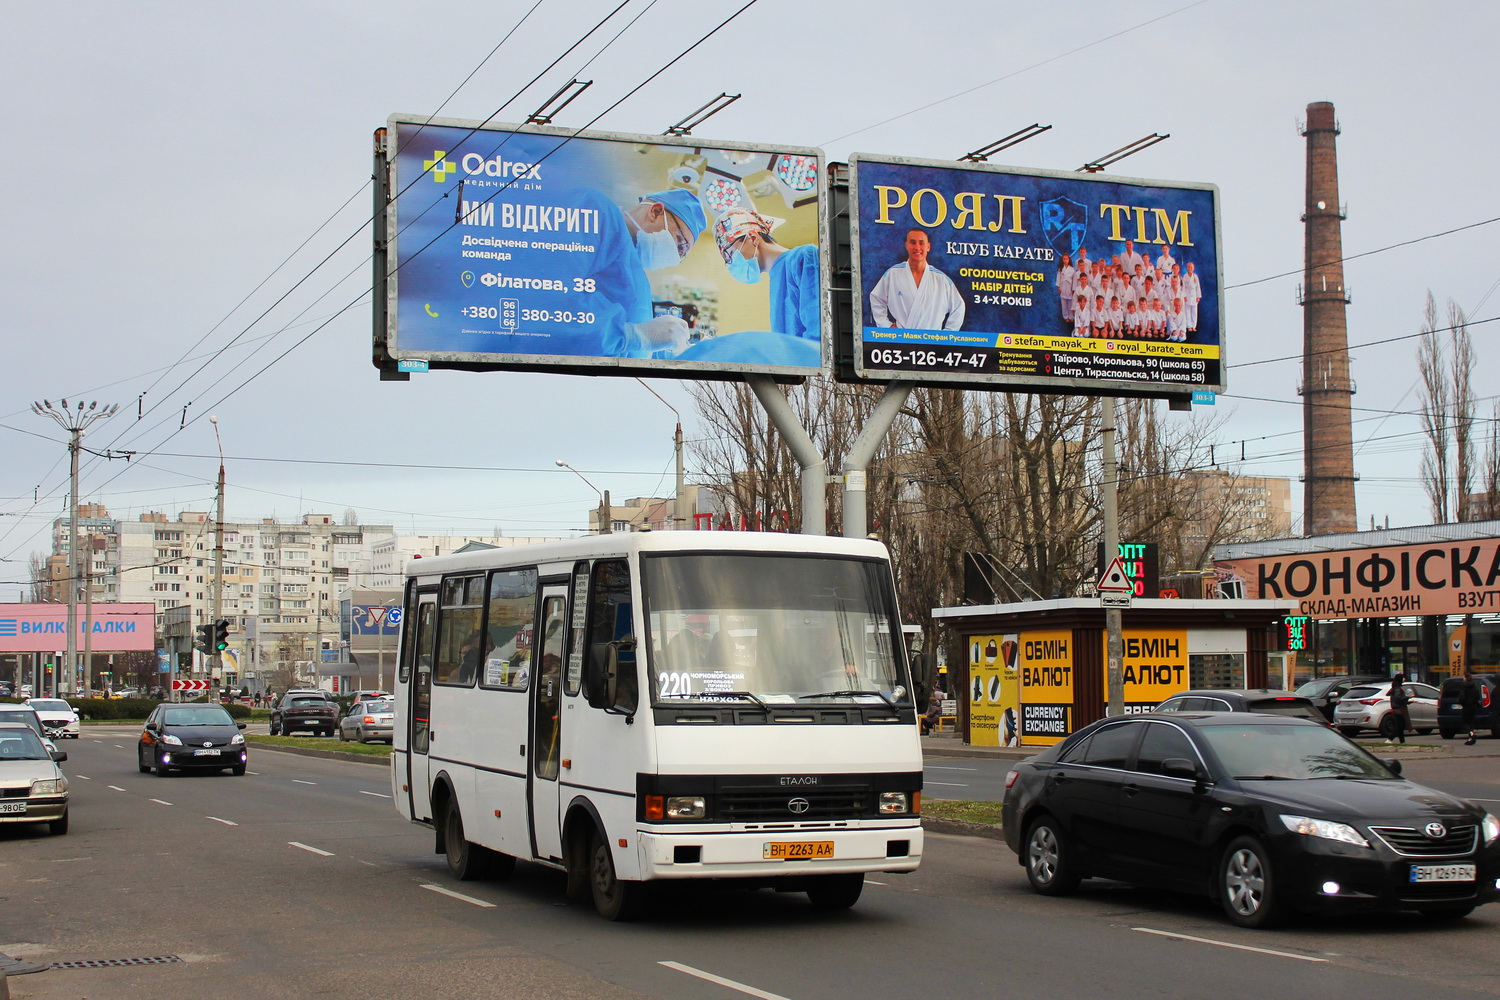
794	850
1442	873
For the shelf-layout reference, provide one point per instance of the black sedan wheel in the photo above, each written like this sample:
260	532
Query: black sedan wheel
1247	887
1049	869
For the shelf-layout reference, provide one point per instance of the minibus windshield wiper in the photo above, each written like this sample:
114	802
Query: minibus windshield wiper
834	694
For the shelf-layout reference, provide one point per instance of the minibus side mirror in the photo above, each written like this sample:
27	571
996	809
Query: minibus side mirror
609	678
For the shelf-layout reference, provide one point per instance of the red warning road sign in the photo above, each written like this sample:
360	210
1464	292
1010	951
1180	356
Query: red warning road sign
1114	580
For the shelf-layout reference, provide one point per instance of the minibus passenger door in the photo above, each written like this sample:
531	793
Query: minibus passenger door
546	725
419	707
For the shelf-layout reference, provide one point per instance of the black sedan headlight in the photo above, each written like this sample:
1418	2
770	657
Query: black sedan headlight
1325	830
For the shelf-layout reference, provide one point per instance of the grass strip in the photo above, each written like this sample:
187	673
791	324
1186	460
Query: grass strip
319	743
971	812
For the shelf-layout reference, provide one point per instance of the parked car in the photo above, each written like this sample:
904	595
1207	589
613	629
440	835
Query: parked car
26	715
191	737
1450	713
369	721
303	712
7	690
58	717
1325	692
1264	814
1369	707
1267	701
33	788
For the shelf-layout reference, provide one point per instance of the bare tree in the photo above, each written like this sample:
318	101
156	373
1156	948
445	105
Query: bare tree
1449	467
1463	412
1436	401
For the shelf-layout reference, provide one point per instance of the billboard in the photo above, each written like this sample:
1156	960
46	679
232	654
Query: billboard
110	628
523	247
971	274
1433	578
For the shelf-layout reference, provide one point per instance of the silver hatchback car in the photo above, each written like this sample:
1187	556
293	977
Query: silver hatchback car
1369	707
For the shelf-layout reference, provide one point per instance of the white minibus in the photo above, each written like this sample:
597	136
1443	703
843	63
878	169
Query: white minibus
642	706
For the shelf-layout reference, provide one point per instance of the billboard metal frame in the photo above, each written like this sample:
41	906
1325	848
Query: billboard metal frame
851	356
397	362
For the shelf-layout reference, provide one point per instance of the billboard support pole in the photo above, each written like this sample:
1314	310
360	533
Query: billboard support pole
1114	639
856	496
814	468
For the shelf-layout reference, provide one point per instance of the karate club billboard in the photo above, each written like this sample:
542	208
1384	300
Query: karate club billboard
1035	280
524	247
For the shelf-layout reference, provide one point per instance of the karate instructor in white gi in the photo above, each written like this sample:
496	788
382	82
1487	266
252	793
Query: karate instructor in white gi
913	296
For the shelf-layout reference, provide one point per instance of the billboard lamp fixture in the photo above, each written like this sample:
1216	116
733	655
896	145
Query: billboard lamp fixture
544	114
985	152
1094	166
703	114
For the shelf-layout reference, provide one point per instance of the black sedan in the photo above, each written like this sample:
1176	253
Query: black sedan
191	738
1266	814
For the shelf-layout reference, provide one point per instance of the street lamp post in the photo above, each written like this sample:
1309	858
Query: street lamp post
604	509
74	421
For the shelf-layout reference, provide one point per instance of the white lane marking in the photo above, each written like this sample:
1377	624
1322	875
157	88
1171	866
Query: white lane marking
940	767
253	772
1471	799
710	977
1226	944
161	802
226	822
870	881
83	777
458	895
299	781
378	795
947	784
314	850
116	788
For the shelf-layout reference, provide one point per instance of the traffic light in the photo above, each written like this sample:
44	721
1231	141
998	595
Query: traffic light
221	635
205	641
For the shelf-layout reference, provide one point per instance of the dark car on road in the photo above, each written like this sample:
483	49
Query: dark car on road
1450	711
1267	701
1265	814
191	738
304	713
1325	692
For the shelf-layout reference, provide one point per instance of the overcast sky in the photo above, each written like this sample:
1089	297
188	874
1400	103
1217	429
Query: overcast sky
179	171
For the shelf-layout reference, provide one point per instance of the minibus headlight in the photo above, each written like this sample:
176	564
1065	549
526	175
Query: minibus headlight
894	803
686	807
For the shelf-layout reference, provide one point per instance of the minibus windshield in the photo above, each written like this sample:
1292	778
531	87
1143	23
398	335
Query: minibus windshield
770	629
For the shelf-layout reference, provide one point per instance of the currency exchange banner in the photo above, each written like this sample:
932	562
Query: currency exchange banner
1035	280
541	248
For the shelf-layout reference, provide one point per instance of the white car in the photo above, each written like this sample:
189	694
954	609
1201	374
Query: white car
1368	706
56	715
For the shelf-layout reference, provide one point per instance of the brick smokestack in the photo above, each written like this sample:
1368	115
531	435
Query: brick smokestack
1326	390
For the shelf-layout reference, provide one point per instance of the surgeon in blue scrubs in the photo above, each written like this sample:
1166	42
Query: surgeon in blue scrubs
749	250
656	232
607	285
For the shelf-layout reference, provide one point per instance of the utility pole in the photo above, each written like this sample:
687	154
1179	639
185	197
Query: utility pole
605	510
216	658
1114	637
73	420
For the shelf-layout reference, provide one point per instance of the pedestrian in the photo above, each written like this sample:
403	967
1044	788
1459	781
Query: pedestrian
1468	701
934	716
1399	701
